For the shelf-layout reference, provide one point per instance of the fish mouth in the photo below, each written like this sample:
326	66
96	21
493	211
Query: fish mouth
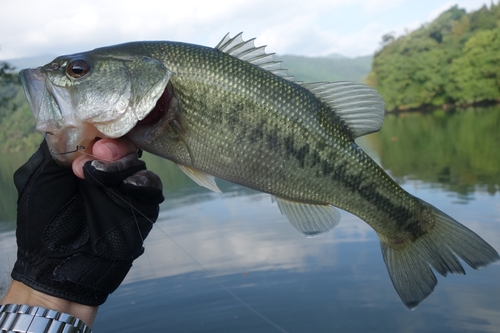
66	126
34	86
51	107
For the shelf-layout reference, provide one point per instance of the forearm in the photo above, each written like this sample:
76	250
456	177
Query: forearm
20	293
58	212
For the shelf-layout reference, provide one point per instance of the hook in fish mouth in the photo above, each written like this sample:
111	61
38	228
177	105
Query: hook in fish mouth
53	152
78	148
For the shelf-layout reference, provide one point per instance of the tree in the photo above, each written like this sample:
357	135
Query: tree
6	74
387	39
8	82
453	60
475	76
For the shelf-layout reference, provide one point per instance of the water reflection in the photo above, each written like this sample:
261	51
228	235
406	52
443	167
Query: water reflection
454	150
239	233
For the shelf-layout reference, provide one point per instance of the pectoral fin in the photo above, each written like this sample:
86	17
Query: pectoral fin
201	178
309	219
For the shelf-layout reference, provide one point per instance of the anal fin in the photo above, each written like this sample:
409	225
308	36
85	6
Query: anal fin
201	178
310	219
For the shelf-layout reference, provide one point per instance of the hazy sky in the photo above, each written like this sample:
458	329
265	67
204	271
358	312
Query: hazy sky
312	27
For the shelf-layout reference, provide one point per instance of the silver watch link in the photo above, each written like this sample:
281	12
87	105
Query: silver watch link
34	319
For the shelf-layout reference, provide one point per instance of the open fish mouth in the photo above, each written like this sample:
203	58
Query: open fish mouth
34	88
51	105
53	112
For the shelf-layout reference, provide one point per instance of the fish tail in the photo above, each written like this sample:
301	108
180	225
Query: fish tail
409	266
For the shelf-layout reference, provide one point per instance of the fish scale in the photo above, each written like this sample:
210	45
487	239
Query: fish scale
294	114
232	112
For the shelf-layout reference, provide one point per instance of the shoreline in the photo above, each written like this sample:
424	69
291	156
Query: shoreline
444	107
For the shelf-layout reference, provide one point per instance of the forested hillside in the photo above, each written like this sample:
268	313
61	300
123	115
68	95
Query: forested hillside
453	60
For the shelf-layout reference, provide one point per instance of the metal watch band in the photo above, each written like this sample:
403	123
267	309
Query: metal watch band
34	319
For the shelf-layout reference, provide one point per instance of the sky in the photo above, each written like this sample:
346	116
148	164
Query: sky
311	28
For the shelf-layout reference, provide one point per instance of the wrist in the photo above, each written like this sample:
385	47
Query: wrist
20	293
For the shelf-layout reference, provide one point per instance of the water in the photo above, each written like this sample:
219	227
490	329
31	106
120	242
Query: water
231	263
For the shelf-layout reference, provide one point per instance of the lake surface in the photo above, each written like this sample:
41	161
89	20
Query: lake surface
231	263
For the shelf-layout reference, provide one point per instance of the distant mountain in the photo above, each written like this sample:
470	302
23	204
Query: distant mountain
331	68
336	56
31	62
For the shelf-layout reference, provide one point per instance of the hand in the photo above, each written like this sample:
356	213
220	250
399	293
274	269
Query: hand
77	238
105	150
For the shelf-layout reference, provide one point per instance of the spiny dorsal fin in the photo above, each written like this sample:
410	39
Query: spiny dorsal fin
361	107
246	51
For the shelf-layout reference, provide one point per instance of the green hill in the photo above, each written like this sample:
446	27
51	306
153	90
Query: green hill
453	60
308	69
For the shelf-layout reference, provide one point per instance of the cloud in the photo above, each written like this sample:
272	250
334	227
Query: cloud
315	27
377	6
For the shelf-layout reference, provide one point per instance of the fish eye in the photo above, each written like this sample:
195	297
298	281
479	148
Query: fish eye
78	68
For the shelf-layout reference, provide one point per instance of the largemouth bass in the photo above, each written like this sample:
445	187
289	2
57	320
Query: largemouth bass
232	112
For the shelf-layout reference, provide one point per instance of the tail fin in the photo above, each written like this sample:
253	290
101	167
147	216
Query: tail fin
410	267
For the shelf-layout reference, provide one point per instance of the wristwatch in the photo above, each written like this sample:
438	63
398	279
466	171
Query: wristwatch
34	319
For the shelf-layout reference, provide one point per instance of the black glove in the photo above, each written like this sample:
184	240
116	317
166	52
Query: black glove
77	238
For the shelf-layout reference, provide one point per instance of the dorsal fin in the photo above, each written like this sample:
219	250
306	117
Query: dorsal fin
246	51
361	107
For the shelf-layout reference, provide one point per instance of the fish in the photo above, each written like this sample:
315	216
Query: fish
234	113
